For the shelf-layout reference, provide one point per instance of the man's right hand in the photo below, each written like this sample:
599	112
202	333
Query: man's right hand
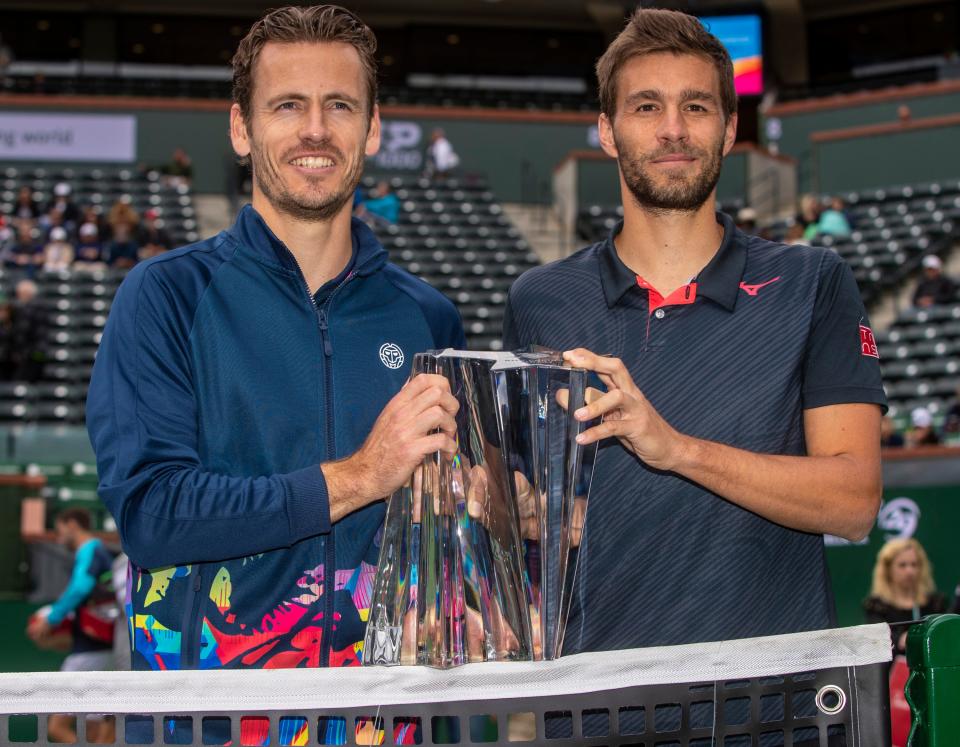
419	420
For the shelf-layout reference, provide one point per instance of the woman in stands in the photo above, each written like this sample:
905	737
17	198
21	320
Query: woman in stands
903	588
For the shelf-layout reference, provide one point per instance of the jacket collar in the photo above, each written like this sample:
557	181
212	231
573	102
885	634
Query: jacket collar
252	232
718	281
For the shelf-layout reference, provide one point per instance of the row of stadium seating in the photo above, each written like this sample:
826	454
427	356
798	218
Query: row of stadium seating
145	190
190	88
920	358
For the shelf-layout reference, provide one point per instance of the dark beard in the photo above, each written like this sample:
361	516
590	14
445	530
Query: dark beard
313	207
680	195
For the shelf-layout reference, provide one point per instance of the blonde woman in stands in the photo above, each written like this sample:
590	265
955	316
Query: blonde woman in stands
903	588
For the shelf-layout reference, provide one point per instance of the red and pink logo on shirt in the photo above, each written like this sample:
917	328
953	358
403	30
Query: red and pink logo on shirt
868	345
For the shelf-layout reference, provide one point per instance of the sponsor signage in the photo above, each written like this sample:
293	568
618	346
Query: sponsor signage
68	137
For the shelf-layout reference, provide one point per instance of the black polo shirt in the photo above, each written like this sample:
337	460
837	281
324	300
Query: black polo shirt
763	332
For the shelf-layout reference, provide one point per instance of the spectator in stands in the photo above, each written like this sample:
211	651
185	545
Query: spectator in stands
902	588
951	423
747	220
7	236
381	208
58	253
890	437
27	252
809	211
934	287
89	252
180	168
122	248
921	431
50	220
833	221
64	206
90	650
6	59
29	333
6	339
153	239
94	214
441	157
25	207
795	235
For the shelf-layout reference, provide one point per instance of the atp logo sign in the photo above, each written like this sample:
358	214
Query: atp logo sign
899	518
400	146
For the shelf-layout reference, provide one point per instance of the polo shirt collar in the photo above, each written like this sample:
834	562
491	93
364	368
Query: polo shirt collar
719	280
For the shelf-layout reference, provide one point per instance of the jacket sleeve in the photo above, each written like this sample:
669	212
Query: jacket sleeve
143	423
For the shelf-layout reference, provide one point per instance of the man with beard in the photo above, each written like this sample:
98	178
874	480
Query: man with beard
742	409
248	405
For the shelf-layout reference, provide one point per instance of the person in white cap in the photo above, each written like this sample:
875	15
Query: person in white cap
64	205
934	288
922	432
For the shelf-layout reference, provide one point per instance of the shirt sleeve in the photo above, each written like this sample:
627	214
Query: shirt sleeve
82	582
842	364
143	423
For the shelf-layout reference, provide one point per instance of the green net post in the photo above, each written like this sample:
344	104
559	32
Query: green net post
933	688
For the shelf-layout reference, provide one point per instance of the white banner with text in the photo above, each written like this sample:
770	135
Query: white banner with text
67	137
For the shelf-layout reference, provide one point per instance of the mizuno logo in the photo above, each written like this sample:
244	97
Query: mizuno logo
751	290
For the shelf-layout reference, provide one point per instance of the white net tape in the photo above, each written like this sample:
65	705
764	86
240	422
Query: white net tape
234	691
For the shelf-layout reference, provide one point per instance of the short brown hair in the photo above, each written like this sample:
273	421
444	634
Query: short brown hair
652	30
292	24
80	516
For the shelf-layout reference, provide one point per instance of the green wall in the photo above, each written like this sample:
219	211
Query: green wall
907	157
797	128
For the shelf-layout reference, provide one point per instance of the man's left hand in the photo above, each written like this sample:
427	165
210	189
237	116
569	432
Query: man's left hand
627	414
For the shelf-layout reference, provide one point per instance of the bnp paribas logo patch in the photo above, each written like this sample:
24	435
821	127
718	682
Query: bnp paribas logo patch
391	355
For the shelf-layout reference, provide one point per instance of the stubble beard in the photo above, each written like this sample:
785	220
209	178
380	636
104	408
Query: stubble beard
681	193
315	205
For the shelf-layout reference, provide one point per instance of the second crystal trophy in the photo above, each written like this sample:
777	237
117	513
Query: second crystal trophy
479	553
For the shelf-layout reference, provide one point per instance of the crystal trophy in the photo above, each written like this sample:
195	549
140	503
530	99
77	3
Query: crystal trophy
479	552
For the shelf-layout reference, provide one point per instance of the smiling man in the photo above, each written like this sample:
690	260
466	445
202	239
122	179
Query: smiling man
743	403
248	405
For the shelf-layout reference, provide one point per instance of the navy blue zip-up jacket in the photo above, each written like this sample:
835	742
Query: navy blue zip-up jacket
219	387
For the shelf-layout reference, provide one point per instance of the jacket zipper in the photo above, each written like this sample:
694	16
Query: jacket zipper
330	559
